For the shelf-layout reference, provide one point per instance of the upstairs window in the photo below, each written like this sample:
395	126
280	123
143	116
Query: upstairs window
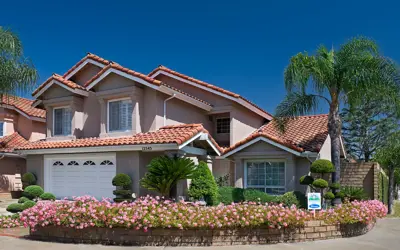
223	125
2	125
120	115
62	121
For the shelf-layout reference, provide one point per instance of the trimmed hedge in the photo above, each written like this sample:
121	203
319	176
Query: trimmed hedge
33	192
123	192
329	196
48	196
320	183
122	180
22	200
28	204
322	166
28	179
306	180
15	208
334	185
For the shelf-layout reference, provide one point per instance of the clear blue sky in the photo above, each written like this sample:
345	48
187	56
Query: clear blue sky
243	47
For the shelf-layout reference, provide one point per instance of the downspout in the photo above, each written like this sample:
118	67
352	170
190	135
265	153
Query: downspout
165	108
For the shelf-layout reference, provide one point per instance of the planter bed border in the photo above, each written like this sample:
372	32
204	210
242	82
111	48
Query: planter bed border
313	230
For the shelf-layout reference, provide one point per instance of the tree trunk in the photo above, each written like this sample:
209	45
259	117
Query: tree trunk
391	189
334	130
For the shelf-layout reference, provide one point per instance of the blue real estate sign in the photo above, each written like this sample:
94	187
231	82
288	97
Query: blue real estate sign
314	201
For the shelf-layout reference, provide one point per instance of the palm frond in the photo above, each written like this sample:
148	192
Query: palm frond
356	46
9	43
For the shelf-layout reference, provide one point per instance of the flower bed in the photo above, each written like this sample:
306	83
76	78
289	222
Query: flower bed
148	212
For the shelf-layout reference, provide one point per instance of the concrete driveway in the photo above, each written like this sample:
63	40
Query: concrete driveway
385	235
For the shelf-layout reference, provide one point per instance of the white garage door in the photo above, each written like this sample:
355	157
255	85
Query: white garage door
78	176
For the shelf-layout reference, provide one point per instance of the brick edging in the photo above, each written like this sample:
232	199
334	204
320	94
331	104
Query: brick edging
313	230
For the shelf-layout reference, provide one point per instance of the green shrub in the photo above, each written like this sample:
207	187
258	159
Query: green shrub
383	188
288	199
22	200
204	185
28	204
329	196
48	197
257	196
222	181
320	183
354	193
15	208
28	179
302	199
123	192
228	195
339	195
322	166
306	180
122	180
334	185
33	192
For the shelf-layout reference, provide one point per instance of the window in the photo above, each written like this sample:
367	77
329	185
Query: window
106	162
223	125
89	163
120	115
62	121
2	125
266	176
73	163
58	163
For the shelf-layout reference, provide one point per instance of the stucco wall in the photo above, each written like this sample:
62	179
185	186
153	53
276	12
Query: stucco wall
10	118
35	164
113	81
56	91
243	123
325	152
85	74
31	130
9	166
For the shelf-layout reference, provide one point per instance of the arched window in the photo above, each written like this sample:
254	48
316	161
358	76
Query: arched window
73	163
89	163
58	163
106	162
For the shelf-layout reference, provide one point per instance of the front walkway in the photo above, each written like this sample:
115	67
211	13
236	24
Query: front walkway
385	235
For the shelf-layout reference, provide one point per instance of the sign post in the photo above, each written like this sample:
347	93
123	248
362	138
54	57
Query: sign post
314	201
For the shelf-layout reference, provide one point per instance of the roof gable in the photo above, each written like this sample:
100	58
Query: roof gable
24	107
62	82
89	58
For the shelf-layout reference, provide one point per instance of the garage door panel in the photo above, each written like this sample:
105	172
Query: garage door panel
82	176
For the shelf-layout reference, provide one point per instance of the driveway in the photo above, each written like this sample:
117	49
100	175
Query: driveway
385	235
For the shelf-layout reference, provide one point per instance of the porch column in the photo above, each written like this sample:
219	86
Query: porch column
103	117
49	119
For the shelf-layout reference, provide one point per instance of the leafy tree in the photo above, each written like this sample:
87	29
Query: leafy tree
17	73
204	185
164	173
367	126
389	157
337	78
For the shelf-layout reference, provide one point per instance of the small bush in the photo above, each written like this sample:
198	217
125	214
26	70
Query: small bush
288	199
122	180
334	186
33	192
329	196
354	193
28	179
22	200
28	204
204	185
322	166
339	195
258	196
48	197
15	208
302	199
320	183
228	195
306	180
122	192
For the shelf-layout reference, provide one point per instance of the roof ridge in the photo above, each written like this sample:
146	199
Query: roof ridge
182	125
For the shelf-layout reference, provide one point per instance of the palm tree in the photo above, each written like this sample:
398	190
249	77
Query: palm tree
337	78
16	71
165	172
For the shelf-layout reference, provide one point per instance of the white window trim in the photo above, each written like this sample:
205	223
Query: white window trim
4	129
53	132
216	125
264	160
108	114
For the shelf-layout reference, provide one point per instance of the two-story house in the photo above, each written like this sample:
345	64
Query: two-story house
103	119
20	123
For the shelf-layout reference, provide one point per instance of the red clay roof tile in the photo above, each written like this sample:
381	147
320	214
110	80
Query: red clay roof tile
61	80
304	133
24	105
10	142
88	56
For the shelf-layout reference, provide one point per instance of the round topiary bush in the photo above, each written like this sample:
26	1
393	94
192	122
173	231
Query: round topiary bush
28	179
123	192
320	183
15	208
33	192
322	166
340	195
22	200
122	180
334	186
28	204
306	180
48	197
329	196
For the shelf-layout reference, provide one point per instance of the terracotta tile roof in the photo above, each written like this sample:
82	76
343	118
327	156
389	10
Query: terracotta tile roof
10	142
61	80
125	70
184	93
210	86
24	105
88	56
177	134
304	133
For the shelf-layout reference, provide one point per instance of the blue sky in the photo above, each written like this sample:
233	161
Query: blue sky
242	46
